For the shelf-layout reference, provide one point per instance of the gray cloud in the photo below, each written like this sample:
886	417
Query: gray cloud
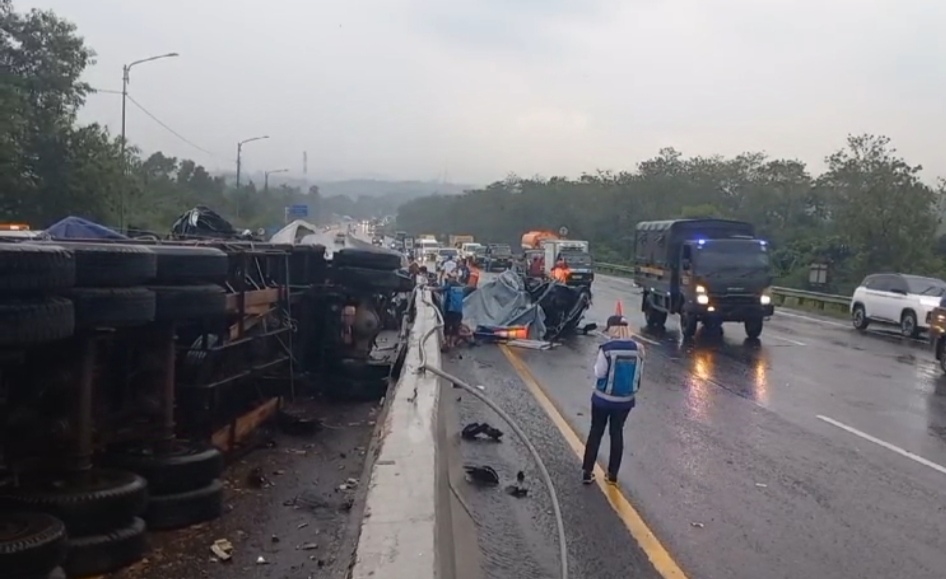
407	88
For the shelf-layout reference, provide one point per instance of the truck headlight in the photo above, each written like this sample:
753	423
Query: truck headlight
702	299
766	297
700	289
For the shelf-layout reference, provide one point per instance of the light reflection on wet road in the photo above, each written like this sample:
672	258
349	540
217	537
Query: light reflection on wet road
731	467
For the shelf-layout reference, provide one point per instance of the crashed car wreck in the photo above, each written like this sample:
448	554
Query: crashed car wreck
551	310
167	354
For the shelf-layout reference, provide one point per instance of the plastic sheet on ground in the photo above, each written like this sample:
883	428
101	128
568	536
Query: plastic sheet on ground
79	228
504	301
295	232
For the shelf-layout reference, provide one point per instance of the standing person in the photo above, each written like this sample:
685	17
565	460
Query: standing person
452	300
618	369
448	266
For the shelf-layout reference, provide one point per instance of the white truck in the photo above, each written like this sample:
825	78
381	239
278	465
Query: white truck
577	257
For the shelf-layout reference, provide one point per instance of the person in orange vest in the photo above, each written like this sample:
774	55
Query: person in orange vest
473	274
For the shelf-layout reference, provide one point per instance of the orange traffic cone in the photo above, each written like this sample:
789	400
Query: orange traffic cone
619	309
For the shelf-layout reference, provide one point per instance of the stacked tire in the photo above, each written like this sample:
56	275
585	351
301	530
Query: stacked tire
372	268
33	544
183	476
99	509
93	521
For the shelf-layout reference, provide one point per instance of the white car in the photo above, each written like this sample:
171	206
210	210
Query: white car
897	299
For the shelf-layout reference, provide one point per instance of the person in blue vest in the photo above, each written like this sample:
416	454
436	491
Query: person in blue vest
618	370
452	292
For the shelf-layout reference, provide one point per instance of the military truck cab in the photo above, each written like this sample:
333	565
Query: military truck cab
707	271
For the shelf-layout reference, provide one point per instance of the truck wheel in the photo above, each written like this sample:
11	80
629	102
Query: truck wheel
189	264
185	467
112	307
90	502
111	265
28	268
754	328
107	552
859	318
26	322
655	318
179	510
189	302
688	323
31	544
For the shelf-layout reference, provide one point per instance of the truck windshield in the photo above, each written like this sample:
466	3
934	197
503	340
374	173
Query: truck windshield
502	250
718	255
576	258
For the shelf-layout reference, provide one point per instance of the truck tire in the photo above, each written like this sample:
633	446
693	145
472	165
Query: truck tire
28	322
688	325
89	502
187	264
754	328
367	257
112	264
374	279
195	302
93	555
175	511
186	467
35	268
656	319
112	307
31	544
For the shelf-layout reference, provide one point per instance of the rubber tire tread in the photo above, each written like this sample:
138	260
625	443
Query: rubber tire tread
175	472
84	511
190	264
93	555
112	307
28	322
112	264
35	268
179	510
193	302
376	279
367	257
38	553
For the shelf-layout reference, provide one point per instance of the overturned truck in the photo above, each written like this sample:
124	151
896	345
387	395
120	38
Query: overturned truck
128	367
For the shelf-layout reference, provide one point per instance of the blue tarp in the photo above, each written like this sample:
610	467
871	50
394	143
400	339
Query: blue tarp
79	228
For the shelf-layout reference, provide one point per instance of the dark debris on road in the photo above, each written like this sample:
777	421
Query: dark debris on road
294	506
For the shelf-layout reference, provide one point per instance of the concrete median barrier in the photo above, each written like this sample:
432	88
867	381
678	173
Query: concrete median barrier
398	535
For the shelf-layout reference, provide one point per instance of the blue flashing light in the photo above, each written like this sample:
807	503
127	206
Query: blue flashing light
701	241
763	242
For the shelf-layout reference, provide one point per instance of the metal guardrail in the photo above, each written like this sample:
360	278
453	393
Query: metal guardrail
782	295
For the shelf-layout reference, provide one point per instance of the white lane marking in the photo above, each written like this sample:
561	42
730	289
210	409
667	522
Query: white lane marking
784	339
887	445
811	319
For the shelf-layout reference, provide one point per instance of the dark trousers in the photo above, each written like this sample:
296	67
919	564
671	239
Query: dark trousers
614	420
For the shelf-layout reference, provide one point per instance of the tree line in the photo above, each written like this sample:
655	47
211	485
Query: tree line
52	166
868	211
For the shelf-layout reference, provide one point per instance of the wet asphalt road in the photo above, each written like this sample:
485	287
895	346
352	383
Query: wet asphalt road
740	455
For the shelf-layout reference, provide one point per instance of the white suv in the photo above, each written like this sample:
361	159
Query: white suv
903	300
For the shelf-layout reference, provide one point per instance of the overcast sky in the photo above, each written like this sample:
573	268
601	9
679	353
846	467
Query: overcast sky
480	88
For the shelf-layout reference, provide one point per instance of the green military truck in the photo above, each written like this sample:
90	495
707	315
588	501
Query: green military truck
706	271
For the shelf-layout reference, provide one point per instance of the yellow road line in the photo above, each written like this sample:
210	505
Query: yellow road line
658	555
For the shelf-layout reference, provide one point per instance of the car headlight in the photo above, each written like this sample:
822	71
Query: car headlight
766	297
702	299
700	289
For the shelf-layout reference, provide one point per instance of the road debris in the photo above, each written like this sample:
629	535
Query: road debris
222	549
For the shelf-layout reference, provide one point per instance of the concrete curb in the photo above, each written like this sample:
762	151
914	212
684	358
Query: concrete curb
398	534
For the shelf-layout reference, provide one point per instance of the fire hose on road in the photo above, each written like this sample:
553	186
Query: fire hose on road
546	477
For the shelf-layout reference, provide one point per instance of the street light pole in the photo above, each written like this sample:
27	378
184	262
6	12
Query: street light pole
126	69
240	156
266	175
